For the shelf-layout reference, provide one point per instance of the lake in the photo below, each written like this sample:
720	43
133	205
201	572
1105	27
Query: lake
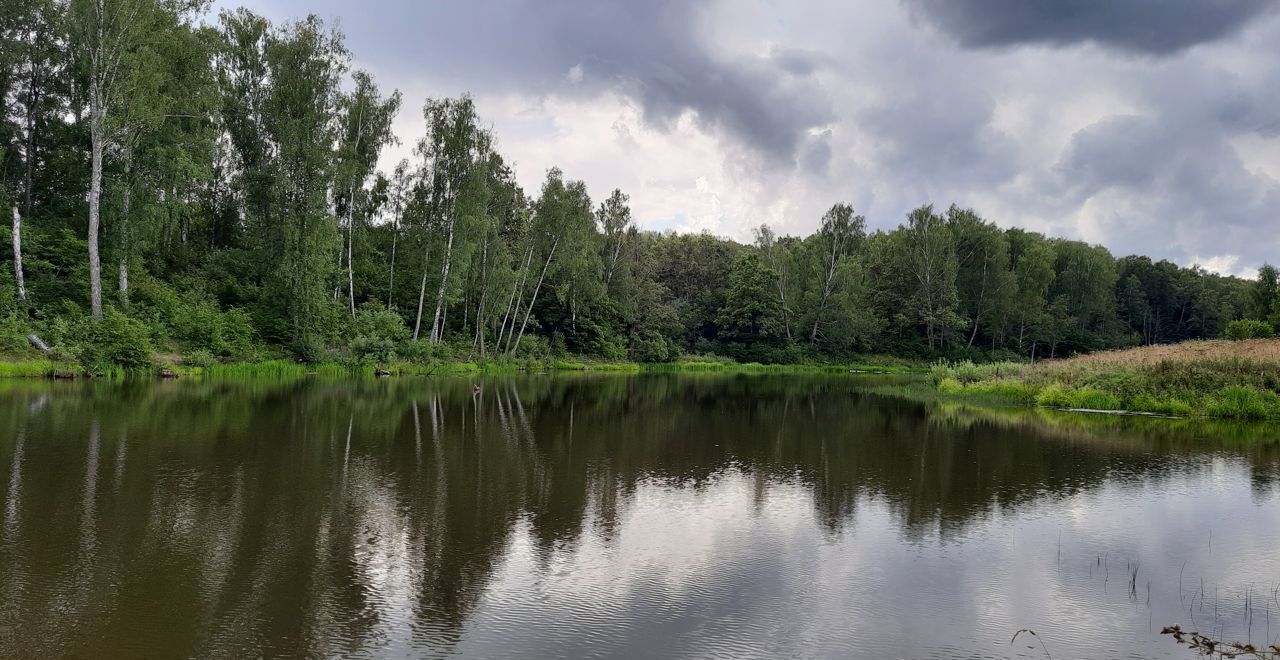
674	516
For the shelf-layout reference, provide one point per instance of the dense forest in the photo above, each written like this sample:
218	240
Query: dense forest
208	187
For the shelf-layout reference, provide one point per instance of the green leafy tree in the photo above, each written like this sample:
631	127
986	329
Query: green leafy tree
1265	295
365	129
984	283
751	318
839	237
116	45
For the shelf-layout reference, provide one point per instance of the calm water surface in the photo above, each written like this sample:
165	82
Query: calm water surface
645	516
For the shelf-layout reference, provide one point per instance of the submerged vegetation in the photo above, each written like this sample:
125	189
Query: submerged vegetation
1224	379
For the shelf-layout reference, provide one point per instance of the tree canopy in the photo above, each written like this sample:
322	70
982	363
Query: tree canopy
224	175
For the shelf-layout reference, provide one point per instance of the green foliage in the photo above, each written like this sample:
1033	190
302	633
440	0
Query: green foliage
199	358
241	198
1093	399
13	336
1087	398
379	337
652	348
751	319
967	371
113	344
1238	402
1248	329
1054	396
195	320
36	369
1167	405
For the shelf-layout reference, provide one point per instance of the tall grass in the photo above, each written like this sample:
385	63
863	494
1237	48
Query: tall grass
274	369
1223	379
48	369
33	368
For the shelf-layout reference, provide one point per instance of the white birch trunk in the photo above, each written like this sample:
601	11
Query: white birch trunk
534	297
17	256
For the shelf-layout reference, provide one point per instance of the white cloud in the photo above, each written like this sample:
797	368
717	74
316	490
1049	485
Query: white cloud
719	115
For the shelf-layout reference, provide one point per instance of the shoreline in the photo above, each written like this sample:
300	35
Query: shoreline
56	370
1217	379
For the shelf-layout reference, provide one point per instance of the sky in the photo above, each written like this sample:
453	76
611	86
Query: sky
1149	126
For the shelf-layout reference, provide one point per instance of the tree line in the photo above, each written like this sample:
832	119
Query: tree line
222	176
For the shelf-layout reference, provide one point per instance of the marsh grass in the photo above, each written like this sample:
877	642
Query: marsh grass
1223	379
278	369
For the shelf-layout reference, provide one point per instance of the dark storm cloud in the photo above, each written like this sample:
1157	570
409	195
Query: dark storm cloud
1158	154
1140	26
942	135
654	52
1171	178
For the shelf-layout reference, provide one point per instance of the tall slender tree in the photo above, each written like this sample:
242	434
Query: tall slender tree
838	236
365	129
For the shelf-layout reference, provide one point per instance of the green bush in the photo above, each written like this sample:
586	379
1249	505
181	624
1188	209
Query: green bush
1248	329
1236	402
199	358
114	343
652	347
379	335
13	336
235	336
372	350
309	349
534	346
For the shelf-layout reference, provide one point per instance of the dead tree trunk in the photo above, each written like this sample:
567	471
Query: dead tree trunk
19	278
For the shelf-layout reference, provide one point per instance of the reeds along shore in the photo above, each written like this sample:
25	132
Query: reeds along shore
1215	378
283	368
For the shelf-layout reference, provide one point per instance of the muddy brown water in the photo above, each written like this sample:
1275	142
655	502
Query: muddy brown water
618	516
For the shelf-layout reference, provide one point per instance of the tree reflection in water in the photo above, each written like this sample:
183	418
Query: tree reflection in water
680	514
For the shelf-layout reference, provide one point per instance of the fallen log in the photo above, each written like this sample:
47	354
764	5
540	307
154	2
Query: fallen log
38	343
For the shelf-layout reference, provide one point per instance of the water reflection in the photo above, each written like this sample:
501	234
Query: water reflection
650	516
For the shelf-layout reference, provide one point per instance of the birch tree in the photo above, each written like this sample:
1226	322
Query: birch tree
452	152
614	219
365	130
115	42
398	194
838	236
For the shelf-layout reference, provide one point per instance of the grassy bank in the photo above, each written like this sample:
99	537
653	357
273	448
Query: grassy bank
1222	379
25	367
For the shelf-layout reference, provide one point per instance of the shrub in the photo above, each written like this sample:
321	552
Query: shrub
379	334
534	346
377	350
116	341
652	347
308	348
1248	329
13	336
199	358
235	336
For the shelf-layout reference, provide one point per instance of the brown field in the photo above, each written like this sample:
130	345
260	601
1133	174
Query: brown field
1257	351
